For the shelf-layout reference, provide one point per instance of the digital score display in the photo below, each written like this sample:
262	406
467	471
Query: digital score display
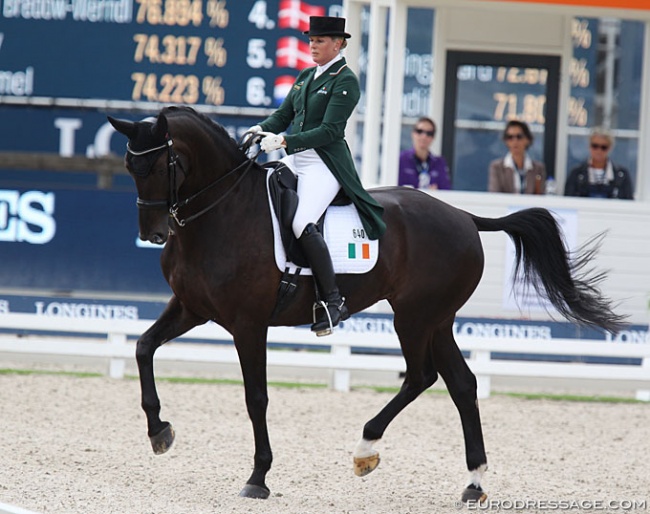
504	93
196	52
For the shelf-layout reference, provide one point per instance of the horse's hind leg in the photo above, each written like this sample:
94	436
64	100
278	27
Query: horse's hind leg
174	321
461	384
421	374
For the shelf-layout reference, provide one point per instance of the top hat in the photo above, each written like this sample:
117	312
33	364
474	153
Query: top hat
326	26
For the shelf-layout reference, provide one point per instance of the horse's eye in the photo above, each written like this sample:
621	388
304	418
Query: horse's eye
142	165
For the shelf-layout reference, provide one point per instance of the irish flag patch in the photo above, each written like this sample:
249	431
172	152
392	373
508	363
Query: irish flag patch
358	251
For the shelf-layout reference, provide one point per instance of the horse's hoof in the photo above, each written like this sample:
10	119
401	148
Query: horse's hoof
254	491
163	440
473	494
365	465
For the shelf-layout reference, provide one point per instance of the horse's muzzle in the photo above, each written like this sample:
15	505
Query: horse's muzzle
156	238
154	226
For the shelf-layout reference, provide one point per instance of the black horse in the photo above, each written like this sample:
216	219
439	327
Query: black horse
200	194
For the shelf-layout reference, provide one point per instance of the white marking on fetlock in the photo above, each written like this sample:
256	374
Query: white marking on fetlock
366	458
364	449
476	475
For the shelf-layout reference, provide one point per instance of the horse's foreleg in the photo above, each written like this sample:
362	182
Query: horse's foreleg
461	384
251	346
420	375
174	321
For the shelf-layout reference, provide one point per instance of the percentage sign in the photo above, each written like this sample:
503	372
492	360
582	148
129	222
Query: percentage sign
578	114
579	72
218	13
581	34
214	92
217	54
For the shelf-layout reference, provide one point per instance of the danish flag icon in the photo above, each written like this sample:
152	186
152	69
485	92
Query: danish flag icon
293	53
294	14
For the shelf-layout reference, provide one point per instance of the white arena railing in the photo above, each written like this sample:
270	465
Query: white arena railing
114	340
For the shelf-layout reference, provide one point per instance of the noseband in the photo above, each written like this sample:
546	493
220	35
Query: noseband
173	204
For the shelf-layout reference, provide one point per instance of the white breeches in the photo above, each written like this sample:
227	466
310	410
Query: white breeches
317	187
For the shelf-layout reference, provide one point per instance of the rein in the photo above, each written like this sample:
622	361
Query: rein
173	204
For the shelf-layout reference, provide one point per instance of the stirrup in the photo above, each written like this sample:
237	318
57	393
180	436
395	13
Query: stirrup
321	305
342	310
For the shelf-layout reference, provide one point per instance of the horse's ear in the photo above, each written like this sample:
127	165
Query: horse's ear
159	129
125	127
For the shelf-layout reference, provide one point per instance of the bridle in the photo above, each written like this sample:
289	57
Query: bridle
173	204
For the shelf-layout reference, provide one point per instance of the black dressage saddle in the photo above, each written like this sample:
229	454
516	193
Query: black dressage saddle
283	185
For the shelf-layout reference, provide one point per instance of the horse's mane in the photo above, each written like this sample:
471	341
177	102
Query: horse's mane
218	133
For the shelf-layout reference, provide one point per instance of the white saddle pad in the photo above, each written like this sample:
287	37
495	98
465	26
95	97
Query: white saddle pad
350	248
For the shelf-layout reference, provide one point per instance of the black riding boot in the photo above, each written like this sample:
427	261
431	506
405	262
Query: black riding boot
331	310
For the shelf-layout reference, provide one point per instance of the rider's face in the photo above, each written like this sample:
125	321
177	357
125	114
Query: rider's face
324	48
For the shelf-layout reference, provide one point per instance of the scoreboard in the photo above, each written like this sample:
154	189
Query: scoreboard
129	53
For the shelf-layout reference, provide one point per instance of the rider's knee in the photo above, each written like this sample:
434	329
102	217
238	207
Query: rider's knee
304	230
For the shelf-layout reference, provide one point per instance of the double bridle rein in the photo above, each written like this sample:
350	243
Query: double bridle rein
173	204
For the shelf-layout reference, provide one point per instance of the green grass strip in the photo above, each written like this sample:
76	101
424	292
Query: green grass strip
308	385
571	398
227	381
78	374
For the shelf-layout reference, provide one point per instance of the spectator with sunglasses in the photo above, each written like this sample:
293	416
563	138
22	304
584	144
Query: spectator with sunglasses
599	177
418	167
517	172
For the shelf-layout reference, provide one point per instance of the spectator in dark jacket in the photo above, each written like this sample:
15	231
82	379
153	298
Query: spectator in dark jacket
599	177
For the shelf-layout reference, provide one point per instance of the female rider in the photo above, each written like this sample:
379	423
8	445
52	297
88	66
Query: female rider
318	106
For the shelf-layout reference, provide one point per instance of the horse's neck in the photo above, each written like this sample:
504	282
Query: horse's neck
240	199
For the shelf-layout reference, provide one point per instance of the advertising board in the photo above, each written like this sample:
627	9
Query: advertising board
63	240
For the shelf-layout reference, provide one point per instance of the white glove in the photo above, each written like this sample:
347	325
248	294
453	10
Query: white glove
271	142
251	132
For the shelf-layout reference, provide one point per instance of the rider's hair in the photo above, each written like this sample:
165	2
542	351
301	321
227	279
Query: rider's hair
344	42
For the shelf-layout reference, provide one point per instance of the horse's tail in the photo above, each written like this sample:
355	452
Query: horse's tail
563	278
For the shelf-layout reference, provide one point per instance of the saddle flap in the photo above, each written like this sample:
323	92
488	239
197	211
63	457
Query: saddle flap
282	190
288	207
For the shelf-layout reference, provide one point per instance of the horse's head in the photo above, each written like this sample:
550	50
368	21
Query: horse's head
202	166
151	161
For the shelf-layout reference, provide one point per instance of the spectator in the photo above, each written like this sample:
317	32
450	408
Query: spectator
599	177
517	172
418	167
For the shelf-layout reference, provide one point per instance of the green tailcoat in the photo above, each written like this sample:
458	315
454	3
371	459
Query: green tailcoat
319	109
